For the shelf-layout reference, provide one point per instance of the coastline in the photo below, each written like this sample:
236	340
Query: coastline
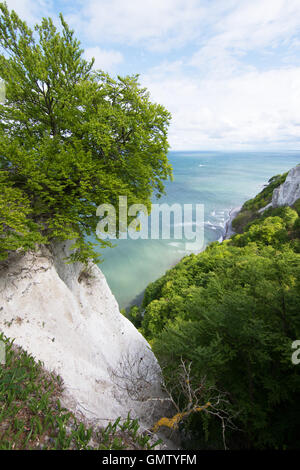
228	230
227	233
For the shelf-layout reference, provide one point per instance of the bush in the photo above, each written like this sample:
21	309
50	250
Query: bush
270	231
265	196
232	311
241	220
296	206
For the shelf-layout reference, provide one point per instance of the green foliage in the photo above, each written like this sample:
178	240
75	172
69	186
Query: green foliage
16	228
265	196
241	220
286	213
296	228
113	435
296	206
71	138
31	416
289	216
134	315
272	227
233	311
249	211
271	231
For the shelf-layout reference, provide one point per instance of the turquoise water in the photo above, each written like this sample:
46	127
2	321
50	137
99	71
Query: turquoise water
220	181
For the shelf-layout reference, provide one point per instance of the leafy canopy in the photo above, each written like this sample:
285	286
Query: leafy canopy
233	311
71	138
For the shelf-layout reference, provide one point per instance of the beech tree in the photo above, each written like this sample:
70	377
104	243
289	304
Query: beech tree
71	138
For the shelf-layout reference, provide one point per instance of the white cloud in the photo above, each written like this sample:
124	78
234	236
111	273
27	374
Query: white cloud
234	85
217	98
105	60
235	25
31	10
253	109
259	23
157	23
260	26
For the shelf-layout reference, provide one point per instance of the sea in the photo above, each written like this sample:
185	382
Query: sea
220	181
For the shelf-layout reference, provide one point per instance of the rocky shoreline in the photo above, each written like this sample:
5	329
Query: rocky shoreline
228	230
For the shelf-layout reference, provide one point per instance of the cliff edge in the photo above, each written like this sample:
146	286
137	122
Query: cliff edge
288	192
66	316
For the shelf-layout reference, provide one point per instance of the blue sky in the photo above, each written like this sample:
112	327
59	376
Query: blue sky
227	70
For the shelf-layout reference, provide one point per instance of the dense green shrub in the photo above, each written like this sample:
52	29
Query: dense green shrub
270	231
296	228
265	196
249	211
296	206
286	213
241	220
233	311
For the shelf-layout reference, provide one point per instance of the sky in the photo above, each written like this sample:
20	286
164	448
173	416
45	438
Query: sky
227	70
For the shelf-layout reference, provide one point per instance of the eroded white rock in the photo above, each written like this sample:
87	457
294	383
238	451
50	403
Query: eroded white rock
68	318
288	192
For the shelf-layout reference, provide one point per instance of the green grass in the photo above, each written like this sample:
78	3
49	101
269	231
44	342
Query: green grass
31	415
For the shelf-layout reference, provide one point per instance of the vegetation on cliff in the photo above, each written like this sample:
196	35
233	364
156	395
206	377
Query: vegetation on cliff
71	138
32	417
232	312
250	209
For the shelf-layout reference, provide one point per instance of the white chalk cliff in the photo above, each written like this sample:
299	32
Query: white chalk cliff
67	317
288	192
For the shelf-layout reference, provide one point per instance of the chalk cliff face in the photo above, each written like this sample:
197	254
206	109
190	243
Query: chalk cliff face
67	317
288	192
